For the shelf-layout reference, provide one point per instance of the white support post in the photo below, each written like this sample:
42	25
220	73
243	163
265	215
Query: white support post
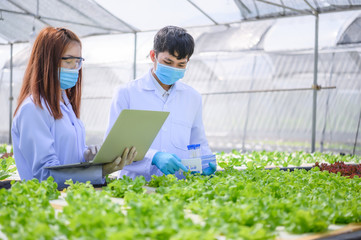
11	98
315	86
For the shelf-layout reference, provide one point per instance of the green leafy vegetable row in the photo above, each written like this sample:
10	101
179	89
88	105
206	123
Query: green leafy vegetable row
25	211
248	204
7	162
4	147
7	167
281	159
300	201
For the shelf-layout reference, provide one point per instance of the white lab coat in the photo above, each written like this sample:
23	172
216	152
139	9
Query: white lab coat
40	141
183	126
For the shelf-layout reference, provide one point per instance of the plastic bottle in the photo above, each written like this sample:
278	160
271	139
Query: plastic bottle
194	150
202	162
194	163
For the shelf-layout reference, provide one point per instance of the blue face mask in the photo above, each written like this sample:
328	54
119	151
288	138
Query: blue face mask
168	75
68	77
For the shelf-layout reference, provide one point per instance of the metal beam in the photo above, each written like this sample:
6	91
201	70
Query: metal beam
284	9
3	44
316	4
283	6
256	7
268	90
133	29
356	137
203	12
80	13
340	7
315	71
26	12
37	7
11	98
306	13
241	92
242	8
40	18
313	9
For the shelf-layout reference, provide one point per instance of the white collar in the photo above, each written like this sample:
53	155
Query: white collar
159	88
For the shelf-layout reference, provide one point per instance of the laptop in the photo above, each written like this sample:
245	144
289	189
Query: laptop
136	128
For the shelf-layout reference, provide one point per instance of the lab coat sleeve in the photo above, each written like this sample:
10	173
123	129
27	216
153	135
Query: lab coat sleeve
85	147
36	144
198	135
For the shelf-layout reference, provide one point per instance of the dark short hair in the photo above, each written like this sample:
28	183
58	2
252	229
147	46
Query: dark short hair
174	40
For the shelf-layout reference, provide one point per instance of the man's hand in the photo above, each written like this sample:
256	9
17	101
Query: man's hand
168	163
210	170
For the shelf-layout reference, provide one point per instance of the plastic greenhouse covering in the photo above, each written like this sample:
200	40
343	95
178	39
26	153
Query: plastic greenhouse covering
253	69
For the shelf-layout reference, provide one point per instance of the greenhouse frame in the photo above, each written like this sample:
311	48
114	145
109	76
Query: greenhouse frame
265	85
280	101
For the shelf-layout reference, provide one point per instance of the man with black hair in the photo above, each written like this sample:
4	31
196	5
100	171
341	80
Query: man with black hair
160	90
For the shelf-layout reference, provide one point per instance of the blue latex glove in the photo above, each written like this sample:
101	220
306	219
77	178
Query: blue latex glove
210	170
168	163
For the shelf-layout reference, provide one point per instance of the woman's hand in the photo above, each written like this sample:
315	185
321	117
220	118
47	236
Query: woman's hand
119	163
90	152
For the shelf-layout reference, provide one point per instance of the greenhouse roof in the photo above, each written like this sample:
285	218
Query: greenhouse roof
20	20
